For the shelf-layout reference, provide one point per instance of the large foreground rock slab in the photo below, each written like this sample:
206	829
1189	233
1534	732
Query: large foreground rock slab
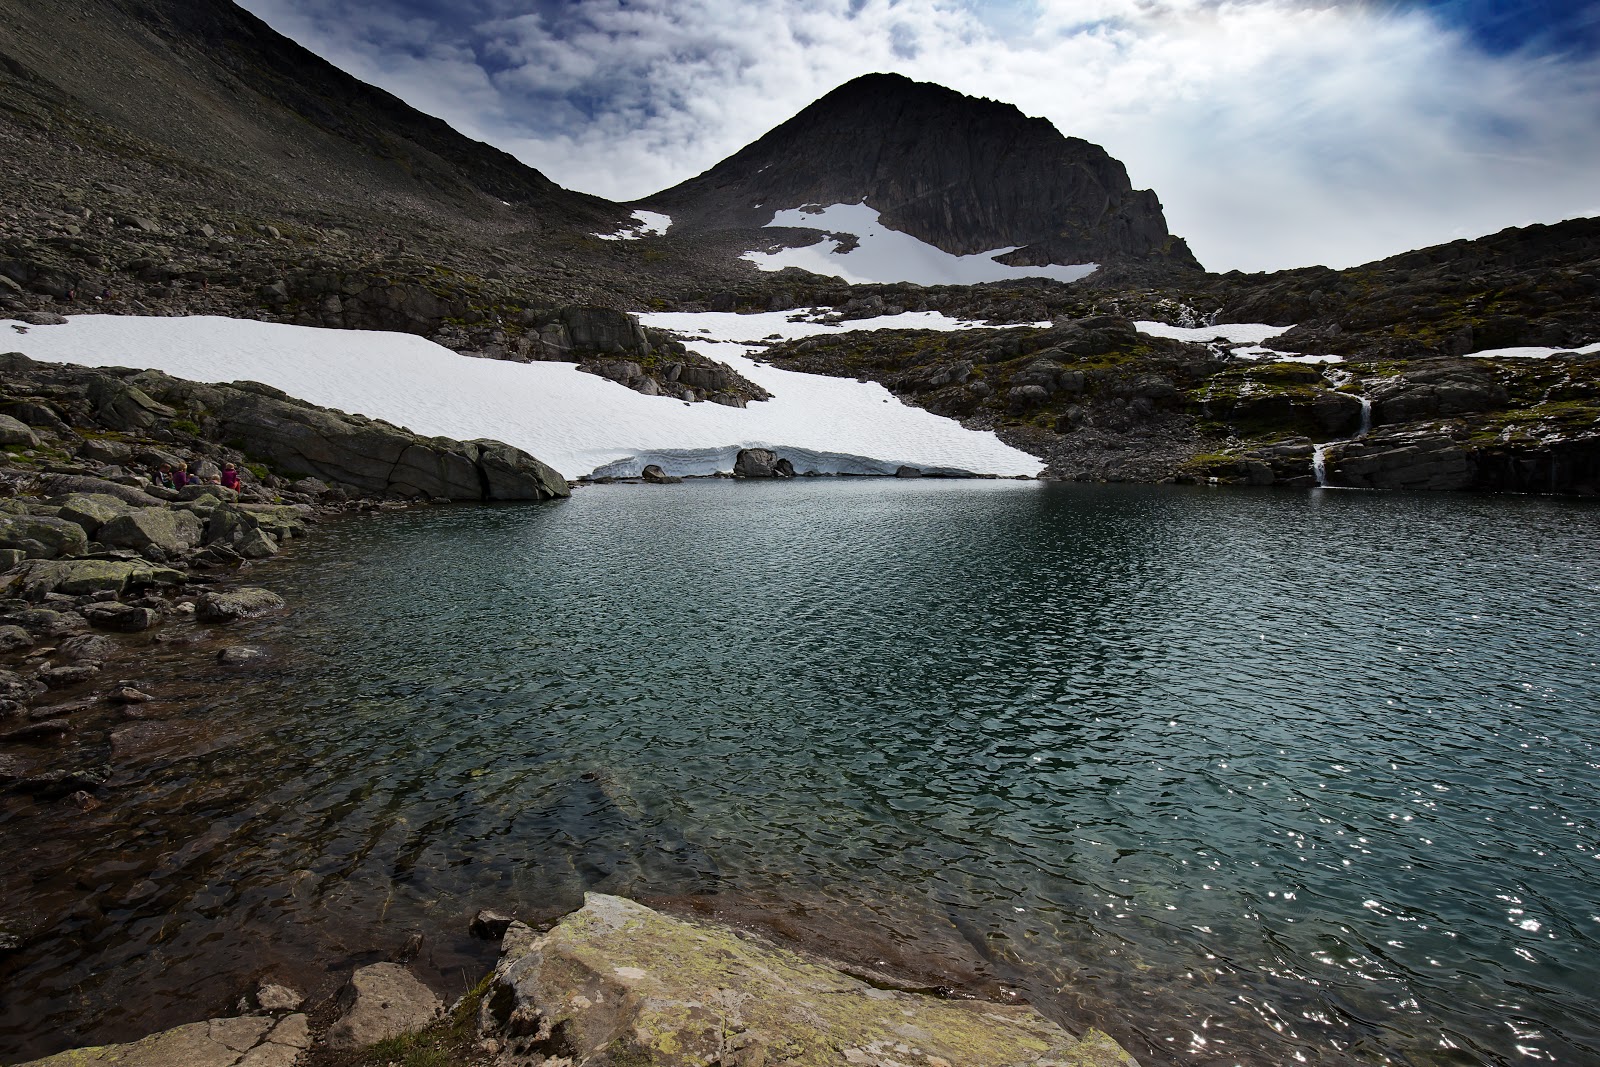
381	1001
618	983
245	1042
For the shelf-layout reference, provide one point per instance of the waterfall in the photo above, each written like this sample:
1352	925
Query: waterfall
1319	453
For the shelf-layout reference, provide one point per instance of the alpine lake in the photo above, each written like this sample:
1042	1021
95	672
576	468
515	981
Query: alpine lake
1243	777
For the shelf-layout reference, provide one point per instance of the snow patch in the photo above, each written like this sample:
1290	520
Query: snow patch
886	256
765	327
1239	340
1244	333
1531	353
646	224
576	422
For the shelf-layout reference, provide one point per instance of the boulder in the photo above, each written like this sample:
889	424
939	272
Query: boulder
42	622
511	474
246	602
250	1041
382	1000
757	463
120	618
14	639
86	648
170	531
619	983
61	677
92	510
907	472
239	655
653	474
43	536
79	577
15	432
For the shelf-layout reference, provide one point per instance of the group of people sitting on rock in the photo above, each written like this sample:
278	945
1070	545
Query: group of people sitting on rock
171	477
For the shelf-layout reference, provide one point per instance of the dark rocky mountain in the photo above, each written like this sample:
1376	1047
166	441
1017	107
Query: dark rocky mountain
962	173
180	157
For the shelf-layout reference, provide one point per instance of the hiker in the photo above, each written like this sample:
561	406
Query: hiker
230	477
180	476
164	477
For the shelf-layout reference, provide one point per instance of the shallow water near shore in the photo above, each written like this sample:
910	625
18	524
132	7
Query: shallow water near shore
1242	777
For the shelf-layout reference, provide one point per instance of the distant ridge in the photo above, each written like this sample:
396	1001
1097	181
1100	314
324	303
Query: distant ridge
962	173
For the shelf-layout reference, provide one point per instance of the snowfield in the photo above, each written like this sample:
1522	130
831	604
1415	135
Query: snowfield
578	423
886	255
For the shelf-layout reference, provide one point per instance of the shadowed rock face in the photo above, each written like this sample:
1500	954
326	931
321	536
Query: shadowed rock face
962	173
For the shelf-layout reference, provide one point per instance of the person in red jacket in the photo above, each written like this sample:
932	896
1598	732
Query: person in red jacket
230	477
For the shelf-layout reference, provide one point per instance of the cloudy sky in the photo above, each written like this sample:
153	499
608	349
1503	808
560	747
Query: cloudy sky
1278	133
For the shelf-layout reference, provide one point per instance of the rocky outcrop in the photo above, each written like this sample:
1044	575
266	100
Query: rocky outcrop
619	983
991	178
366	456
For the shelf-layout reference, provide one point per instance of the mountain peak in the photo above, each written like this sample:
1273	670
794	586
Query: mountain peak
965	174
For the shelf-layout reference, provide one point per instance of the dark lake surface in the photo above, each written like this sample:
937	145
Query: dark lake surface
1242	777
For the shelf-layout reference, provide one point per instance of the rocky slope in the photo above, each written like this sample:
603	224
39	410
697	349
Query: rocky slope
1100	401
991	178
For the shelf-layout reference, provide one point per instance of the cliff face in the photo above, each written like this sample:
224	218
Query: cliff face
961	173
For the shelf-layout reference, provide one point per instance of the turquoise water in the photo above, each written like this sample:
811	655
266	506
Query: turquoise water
1243	777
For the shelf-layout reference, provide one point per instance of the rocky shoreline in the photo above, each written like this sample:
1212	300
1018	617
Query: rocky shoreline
617	983
96	559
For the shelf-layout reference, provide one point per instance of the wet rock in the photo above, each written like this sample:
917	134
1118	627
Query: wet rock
230	605
120	618
43	622
15	687
239	655
489	925
87	647
907	472
619	983
62	677
14	639
47	730
129	695
270	998
63	782
382	1000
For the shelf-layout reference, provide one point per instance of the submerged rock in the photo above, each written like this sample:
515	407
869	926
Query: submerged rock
243	603
619	983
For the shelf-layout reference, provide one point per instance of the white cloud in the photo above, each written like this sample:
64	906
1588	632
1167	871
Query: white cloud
1277	133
